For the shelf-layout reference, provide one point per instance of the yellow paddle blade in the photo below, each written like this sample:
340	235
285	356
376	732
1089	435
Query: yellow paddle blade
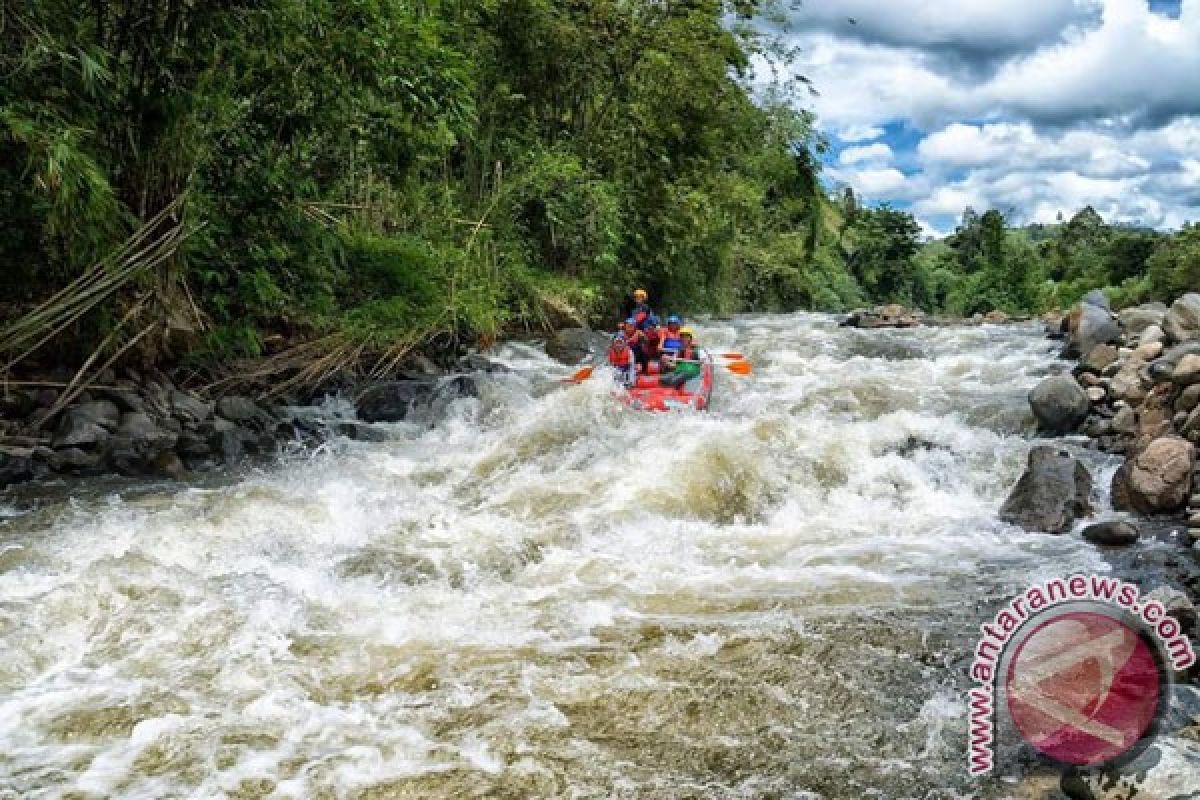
740	367
581	376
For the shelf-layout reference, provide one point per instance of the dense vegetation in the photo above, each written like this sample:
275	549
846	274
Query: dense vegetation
987	264
335	182
376	173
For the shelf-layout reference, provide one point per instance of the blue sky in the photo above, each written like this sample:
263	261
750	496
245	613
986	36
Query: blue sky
1035	107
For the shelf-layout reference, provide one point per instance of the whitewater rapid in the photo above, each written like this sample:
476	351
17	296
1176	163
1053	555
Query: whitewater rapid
546	594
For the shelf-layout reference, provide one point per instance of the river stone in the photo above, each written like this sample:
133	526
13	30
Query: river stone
1096	394
1152	334
17	405
1113	533
573	345
1187	371
1100	357
397	400
1125	421
1137	319
1182	322
1157	480
1168	769
169	464
76	459
1091	325
1148	351
1177	604
1097	298
237	409
1059	404
1188	399
1054	490
87	424
14	469
190	409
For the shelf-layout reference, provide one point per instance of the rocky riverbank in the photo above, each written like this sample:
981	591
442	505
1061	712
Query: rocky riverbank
1134	391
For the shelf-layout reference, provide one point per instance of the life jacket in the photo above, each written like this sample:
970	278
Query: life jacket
619	358
671	341
687	352
651	341
641	313
632	339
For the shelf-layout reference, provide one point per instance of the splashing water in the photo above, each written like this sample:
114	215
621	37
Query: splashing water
547	594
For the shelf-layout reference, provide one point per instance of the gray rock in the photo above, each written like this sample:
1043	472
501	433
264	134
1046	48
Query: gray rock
1148	351
1100	357
189	409
1054	490
398	400
473	362
1168	769
1187	371
1125	421
574	345
1096	394
1188	399
1059	404
1113	533
1096	298
237	409
1177	604
1095	326
167	463
125	399
15	469
16	405
1137	319
1182	322
1158	480
362	432
77	460
88	424
1153	334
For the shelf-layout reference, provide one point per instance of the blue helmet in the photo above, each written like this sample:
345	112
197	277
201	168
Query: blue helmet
631	321
652	321
674	320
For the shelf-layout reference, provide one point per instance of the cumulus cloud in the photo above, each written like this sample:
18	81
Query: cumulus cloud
1035	108
878	153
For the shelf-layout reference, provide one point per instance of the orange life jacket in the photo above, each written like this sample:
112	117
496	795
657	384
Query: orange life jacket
622	357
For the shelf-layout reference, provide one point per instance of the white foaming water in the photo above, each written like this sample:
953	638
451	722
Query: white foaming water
548	594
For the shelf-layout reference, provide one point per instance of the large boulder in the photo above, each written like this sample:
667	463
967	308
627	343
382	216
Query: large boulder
1137	319
1156	480
1051	494
1059	403
1096	298
1099	357
574	345
397	400
189	409
1182	322
237	409
15	466
87	424
1168	769
1090	325
1187	371
889	316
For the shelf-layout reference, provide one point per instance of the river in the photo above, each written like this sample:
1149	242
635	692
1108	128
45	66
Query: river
546	594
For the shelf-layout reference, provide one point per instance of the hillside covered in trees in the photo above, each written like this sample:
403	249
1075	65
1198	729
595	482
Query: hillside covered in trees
332	184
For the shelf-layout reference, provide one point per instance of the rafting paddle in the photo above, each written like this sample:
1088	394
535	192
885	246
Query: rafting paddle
580	376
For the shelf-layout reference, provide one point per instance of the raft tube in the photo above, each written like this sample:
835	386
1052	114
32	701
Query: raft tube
648	395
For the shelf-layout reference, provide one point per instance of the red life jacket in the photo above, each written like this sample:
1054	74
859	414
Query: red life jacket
651	340
632	339
620	358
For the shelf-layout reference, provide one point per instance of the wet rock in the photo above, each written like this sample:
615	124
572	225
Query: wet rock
1127	385
1187	371
189	409
124	399
1097	298
1137	319
168	464
16	405
1051	494
1059	403
1114	533
574	345
15	467
474	362
1188	399
889	316
1090	325
1099	357
1156	480
237	409
397	400
1182	321
1125	421
362	432
1148	351
1183	710
87	424
1153	335
76	460
995	317
1177	604
1096	394
1168	769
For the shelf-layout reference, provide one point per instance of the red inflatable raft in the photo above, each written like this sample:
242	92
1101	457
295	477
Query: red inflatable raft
648	395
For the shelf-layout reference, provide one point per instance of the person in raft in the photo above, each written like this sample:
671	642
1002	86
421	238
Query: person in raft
680	366
670	339
652	337
636	340
641	312
621	359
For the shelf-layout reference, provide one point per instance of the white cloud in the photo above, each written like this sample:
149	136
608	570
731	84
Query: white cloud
876	184
860	133
877	154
